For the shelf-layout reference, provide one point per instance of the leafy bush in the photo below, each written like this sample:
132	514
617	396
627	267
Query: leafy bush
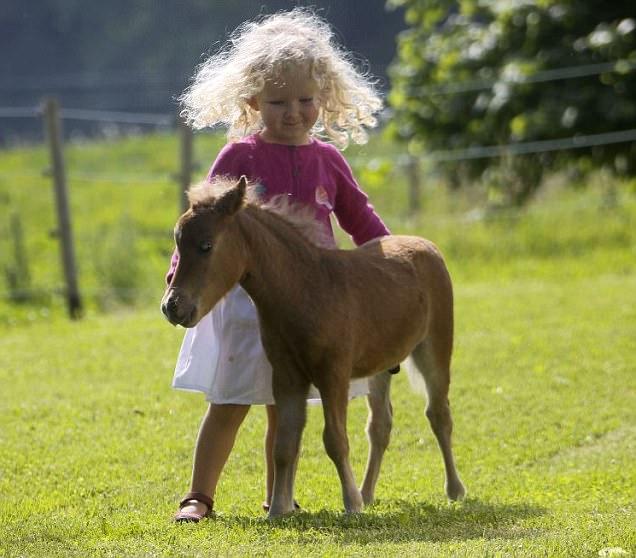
472	74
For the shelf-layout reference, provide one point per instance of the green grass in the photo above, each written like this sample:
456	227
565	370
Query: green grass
125	200
95	448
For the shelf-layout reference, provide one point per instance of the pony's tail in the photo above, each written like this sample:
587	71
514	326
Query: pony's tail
415	376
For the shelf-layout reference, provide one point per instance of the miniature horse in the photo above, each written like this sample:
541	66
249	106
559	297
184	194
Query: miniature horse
326	316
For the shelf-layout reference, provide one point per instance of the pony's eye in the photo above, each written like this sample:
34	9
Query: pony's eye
205	246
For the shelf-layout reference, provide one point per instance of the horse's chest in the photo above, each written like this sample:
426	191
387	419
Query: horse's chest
304	342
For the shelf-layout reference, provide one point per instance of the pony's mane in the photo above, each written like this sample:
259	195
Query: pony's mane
301	217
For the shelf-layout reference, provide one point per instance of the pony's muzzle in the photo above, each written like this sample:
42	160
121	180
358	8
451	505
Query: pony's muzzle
177	309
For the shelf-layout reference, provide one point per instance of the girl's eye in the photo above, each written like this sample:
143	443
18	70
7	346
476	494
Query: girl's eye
307	100
205	246
276	103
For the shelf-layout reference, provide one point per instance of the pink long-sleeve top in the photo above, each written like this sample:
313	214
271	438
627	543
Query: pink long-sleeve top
315	174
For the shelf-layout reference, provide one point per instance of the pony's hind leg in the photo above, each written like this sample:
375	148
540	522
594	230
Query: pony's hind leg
379	426
434	366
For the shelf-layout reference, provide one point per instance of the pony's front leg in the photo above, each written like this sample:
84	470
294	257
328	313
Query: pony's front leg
291	408
335	398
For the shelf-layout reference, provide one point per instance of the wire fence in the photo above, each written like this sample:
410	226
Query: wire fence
109	116
476	152
405	164
512	77
20	286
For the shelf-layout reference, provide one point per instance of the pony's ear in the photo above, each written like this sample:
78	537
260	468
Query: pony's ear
232	200
242	185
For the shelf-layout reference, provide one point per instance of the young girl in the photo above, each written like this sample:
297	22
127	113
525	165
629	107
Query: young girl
279	83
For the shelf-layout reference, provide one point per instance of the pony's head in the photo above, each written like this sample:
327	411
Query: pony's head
211	260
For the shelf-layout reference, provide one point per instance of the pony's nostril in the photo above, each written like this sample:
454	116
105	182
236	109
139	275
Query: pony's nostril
169	307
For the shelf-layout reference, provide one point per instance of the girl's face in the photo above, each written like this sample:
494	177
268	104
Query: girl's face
289	108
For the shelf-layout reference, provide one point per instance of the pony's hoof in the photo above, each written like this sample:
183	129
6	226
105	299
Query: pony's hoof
353	500
356	507
367	500
456	491
275	513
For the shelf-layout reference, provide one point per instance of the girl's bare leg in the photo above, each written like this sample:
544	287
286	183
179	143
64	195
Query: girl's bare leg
214	443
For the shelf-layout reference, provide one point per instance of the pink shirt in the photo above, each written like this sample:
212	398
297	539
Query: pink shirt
315	174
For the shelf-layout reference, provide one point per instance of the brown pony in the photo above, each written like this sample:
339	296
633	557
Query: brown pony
326	316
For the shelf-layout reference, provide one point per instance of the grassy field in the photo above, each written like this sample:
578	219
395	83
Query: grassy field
95	448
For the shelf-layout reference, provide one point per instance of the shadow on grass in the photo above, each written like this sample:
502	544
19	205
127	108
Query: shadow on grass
405	521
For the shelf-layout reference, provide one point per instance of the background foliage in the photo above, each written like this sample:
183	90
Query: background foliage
474	73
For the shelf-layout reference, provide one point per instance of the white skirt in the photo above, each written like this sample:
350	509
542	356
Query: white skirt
223	357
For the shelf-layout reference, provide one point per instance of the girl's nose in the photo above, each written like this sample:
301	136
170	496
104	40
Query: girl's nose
293	108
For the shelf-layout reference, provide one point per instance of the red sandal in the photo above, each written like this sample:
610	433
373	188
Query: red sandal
193	517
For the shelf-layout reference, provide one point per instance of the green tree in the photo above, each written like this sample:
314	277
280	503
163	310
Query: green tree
476	73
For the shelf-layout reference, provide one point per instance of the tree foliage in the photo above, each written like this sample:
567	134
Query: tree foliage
482	73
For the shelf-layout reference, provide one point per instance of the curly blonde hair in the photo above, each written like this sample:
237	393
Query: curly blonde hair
259	51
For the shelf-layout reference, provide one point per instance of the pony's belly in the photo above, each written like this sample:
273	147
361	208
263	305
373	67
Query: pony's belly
368	368
388	350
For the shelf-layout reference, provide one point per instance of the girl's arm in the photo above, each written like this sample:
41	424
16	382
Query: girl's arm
352	208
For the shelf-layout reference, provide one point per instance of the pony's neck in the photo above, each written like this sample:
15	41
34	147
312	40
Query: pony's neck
282	265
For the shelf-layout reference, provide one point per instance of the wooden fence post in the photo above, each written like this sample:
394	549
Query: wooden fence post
53	129
415	190
185	176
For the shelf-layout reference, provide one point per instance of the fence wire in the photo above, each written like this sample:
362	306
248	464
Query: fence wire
166	120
